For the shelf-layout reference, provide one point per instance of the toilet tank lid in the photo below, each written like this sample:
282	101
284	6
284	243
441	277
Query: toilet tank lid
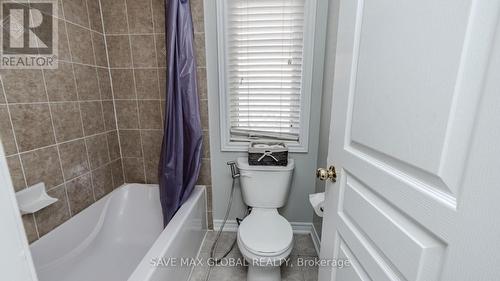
243	165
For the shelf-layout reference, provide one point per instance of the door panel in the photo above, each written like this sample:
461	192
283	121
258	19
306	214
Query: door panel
354	272
409	81
383	226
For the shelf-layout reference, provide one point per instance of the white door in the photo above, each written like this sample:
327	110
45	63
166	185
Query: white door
15	257
416	142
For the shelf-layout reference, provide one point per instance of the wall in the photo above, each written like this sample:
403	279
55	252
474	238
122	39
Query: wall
57	126
297	208
60	126
135	39
327	95
205	178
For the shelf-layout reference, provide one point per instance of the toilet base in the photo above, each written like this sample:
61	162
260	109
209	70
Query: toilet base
263	273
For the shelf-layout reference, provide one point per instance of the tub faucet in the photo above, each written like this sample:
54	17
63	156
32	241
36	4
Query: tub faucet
235	172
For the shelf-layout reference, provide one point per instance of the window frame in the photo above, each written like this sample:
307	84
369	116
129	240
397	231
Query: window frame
306	91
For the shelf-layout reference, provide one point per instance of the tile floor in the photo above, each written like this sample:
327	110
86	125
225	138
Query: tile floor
303	250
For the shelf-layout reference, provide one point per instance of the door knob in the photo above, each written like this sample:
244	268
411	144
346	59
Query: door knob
327	174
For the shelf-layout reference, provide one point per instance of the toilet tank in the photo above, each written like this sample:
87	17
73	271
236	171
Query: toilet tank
265	186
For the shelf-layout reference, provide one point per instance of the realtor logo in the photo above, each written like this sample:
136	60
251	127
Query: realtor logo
28	34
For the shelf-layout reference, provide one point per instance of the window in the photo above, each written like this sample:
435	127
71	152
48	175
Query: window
265	62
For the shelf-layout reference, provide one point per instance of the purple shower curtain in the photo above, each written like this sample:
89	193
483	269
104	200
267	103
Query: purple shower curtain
180	158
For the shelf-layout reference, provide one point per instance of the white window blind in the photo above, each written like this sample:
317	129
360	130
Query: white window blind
264	67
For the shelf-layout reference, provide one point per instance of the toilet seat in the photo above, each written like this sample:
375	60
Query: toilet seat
265	233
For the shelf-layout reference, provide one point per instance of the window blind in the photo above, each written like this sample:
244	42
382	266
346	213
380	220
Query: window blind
264	57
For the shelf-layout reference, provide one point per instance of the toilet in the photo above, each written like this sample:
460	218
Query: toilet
265	238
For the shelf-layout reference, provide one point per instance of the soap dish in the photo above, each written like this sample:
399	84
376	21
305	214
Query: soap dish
33	199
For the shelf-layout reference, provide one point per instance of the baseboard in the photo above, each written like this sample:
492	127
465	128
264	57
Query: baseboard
297	227
315	238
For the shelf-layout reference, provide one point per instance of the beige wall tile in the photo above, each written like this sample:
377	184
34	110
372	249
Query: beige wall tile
86	82
102	180
80	194
104	83
151	171
16	172
150	114
6	132
2	94
162	77
32	125
42	165
161	50
23	85
119	51
109	115
201	79
133	169
197	15
130	141
206	144
205	178
159	15
30	228
113	145
80	43
143	50
76	11
204	114
127	114
117	173
60	83
147	83
97	148
55	214
74	159
114	17
62	41
99	49
123	83
199	42
67	121
92	117
95	15
151	142
140	19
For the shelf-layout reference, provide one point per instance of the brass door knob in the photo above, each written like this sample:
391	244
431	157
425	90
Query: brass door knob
324	174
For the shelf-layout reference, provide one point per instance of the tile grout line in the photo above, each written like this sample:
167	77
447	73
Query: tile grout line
62	142
156	55
135	89
100	96
112	92
84	137
54	130
74	101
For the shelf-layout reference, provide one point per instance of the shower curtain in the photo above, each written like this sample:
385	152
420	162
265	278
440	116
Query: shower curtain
180	158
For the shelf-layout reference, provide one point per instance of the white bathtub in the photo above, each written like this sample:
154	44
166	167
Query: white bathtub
116	238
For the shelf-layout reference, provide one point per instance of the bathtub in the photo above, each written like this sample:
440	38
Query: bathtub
119	237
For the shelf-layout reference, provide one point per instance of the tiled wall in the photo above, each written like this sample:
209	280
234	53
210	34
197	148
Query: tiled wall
199	40
58	125
135	36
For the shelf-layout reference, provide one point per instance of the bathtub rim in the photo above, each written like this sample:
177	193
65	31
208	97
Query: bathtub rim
144	270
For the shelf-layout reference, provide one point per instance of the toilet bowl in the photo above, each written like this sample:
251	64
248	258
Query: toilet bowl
265	238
